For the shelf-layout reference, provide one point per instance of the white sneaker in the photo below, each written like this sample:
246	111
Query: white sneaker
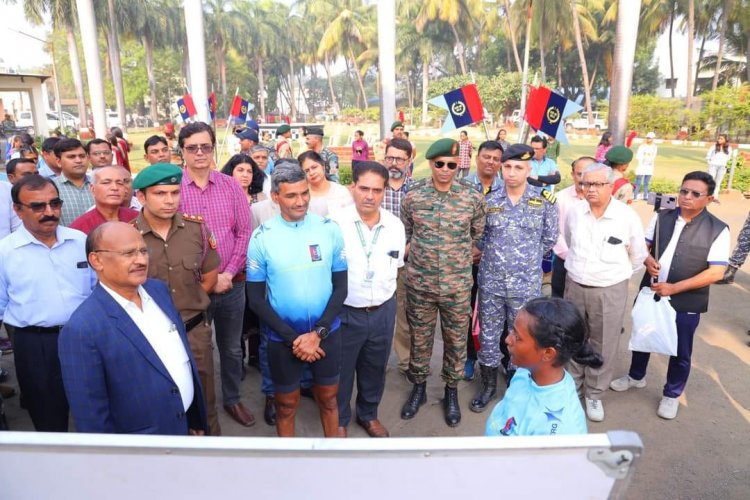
626	382
668	408
594	410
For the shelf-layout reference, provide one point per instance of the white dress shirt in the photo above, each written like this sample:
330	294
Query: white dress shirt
337	198
372	281
164	338
565	199
604	251
9	220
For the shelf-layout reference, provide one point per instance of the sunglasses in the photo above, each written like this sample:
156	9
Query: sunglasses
694	194
194	148
450	164
40	206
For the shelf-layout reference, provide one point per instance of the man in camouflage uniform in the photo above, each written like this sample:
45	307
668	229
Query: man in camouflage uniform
314	141
521	227
443	218
183	255
739	255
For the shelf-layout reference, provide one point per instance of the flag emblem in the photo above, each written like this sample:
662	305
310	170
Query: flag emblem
546	110
463	105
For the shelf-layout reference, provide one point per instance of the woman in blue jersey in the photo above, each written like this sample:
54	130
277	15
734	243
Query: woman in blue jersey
542	398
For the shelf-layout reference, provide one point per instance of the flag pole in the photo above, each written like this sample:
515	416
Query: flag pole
525	75
226	130
484	118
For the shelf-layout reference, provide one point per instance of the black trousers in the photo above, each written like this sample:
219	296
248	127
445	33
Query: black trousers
40	380
366	339
558	277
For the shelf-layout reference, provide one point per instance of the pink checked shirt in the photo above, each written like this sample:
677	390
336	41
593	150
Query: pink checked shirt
223	205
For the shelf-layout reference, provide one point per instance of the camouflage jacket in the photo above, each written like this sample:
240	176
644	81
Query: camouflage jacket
441	229
515	238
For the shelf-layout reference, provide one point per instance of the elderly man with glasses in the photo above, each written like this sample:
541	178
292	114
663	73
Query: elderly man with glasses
444	218
605	246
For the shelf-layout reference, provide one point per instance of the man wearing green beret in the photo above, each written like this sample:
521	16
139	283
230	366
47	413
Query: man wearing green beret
183	255
444	219
314	140
397	130
284	144
619	158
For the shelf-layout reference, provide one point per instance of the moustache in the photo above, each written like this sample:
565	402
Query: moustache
394	173
49	218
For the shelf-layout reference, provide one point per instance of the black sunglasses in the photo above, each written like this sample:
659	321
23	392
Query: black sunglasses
41	206
450	164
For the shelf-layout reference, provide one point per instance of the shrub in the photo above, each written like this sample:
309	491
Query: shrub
372	114
352	113
345	175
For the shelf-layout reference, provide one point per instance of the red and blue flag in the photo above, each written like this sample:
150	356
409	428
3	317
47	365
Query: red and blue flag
239	109
212	106
546	111
463	105
186	107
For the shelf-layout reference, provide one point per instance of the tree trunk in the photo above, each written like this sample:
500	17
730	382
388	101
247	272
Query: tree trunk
334	101
310	109
75	68
425	86
700	58
149	47
691	50
512	36
261	87
292	96
221	59
722	38
671	56
542	67
409	97
186	67
747	59
359	78
582	57
460	50
559	67
114	59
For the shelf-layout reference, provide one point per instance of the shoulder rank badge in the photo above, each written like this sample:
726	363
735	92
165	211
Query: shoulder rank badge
535	202
549	197
211	241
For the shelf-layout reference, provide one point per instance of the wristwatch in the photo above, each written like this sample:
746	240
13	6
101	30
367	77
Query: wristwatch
322	332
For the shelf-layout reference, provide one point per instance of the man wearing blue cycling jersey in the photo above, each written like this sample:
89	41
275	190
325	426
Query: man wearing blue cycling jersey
297	274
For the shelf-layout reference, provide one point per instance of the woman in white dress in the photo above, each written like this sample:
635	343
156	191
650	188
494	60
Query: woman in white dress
717	158
326	197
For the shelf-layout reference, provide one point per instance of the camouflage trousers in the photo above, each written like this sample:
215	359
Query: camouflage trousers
743	245
422	309
495	311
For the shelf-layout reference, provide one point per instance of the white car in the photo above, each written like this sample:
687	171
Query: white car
582	123
26	120
113	119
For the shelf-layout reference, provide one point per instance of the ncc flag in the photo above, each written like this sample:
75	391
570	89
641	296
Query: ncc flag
463	105
186	107
546	111
212	105
239	109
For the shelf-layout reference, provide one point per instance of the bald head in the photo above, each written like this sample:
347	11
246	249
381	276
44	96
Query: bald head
118	254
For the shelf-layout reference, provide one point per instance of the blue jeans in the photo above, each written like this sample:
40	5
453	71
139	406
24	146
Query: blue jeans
645	179
227	312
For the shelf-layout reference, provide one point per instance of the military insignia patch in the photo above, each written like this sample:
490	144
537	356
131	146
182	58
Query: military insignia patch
525	156
535	202
549	197
495	210
212	241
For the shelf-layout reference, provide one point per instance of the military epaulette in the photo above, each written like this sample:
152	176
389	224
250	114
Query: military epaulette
193	218
419	184
549	197
466	183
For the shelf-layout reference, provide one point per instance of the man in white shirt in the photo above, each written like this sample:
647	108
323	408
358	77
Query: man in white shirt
374	241
565	199
126	363
605	246
692	248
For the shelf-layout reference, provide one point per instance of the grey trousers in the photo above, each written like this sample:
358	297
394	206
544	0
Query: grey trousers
603	308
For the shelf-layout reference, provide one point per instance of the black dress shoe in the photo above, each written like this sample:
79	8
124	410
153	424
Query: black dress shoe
417	398
450	405
269	412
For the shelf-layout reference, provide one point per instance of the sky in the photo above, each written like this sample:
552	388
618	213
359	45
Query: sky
17	50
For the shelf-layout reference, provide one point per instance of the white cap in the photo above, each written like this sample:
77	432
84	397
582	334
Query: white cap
650	135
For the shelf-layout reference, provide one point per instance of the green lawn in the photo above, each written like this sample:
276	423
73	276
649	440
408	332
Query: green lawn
672	162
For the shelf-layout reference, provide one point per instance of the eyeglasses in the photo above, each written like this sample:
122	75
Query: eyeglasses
450	164
595	185
194	148
693	194
395	159
40	206
128	254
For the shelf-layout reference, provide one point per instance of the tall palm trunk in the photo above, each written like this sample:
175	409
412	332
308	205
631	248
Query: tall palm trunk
292	96
512	36
582	58
425	86
359	78
261	87
691	55
559	67
541	46
460	50
75	68
221	59
722	38
114	59
701	51
148	45
334	101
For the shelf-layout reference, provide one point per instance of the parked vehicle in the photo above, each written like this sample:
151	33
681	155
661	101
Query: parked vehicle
582	123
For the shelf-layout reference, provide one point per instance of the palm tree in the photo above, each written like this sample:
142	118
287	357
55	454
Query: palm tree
63	14
263	36
725	13
113	46
691	49
582	58
223	23
511	31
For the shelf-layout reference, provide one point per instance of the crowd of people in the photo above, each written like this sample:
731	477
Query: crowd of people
315	283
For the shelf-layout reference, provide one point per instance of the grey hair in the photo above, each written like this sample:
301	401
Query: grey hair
257	148
96	171
595	167
286	171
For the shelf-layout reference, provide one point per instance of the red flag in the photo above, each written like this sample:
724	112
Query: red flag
236	106
187	100
212	105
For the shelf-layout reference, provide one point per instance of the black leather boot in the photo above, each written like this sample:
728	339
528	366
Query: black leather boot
451	407
487	392
417	398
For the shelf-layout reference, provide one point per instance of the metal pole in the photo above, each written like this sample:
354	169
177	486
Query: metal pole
622	73
525	75
387	62
197	53
731	170
87	22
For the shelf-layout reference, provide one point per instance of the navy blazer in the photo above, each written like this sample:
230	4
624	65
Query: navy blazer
114	380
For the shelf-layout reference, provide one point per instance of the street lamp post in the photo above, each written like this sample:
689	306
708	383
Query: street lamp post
87	22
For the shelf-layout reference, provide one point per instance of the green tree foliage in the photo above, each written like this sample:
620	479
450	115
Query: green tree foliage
500	93
727	109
